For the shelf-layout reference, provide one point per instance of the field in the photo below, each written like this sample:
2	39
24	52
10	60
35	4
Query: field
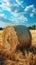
1	36
33	34
20	59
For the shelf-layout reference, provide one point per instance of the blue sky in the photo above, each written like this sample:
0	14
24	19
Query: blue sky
17	12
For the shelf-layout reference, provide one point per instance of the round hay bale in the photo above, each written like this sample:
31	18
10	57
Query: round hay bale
10	41
24	35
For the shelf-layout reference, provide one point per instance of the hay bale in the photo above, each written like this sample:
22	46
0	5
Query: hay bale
10	41
24	35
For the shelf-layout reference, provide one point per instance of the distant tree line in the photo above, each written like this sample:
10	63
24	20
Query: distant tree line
1	28
32	27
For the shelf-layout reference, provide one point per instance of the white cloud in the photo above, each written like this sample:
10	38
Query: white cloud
0	10
2	24
5	5
31	14
17	1
34	23
16	11
6	2
20	19
23	18
14	5
28	7
31	10
2	15
34	10
21	2
17	17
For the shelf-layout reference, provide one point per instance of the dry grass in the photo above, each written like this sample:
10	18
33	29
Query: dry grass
20	59
33	34
1	36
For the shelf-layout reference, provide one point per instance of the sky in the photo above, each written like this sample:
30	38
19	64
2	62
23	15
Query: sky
22	12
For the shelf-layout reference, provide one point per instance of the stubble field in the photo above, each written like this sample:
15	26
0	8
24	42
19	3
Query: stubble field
33	35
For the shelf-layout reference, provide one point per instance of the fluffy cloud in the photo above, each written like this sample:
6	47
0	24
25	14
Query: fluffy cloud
31	10
18	20
15	19
5	5
29	7
6	2
13	12
2	15
15	16
31	14
23	18
2	24
19	2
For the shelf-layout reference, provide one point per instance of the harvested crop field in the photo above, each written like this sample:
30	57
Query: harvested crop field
22	58
1	31
33	34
